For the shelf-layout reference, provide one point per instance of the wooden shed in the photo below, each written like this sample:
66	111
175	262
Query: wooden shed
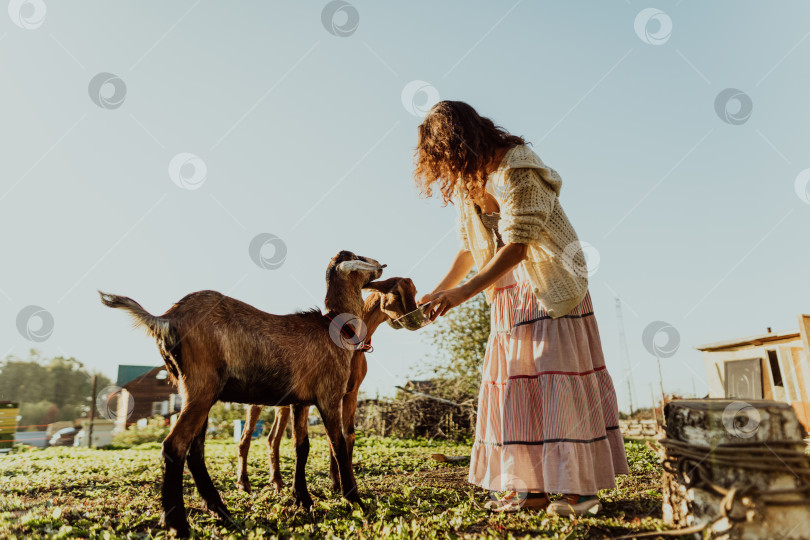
145	392
774	365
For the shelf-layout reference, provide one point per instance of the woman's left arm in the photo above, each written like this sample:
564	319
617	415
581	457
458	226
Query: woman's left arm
526	203
504	260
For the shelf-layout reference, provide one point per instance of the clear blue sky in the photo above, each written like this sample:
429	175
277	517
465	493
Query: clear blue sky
304	134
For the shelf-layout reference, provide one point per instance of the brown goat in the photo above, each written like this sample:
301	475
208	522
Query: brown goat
218	348
392	298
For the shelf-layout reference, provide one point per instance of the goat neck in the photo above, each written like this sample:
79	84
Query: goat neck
373	315
343	297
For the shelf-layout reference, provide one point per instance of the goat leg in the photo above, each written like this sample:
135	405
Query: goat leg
175	448
334	431
173	514
205	487
349	413
242	480
280	420
334	471
349	408
300	416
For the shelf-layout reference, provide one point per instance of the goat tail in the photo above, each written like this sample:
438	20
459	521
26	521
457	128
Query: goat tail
158	327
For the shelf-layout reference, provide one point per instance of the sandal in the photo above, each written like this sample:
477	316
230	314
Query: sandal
575	505
498	501
522	501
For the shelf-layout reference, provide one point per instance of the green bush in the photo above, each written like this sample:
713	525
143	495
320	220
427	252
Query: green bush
20	448
154	432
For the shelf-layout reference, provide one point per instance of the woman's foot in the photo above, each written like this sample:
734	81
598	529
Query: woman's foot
514	501
499	500
575	505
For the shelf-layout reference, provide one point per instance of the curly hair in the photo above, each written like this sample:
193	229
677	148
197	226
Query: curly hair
455	145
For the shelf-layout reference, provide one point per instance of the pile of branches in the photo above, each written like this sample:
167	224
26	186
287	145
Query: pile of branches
415	414
444	405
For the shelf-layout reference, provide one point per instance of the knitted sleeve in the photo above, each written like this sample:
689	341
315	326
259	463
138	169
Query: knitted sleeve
461	231
527	202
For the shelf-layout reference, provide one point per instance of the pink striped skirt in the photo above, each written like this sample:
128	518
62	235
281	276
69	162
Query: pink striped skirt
547	414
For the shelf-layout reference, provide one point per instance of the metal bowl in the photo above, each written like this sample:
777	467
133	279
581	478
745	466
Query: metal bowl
414	320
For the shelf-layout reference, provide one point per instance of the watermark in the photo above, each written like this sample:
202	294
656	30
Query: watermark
508	488
653	335
741	419
107	90
35	323
733	106
418	97
108	402
188	171
653	26
340	18
581	259
27	14
268	251
802	186
347	331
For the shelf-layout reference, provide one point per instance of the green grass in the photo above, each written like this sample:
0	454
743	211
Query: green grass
71	492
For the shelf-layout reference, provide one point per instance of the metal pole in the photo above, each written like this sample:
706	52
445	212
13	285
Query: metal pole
661	383
92	413
625	355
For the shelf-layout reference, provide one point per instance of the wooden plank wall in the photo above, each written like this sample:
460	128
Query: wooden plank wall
145	390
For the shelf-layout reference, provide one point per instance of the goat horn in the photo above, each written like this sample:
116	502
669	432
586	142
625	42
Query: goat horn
350	266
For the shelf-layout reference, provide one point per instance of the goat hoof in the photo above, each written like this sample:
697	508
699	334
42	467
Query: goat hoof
243	485
172	521
336	486
278	485
353	499
222	512
304	502
181	530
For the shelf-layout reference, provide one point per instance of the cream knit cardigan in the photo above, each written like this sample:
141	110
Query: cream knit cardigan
527	192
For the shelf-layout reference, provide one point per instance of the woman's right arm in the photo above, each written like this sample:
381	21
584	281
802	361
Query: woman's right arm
461	266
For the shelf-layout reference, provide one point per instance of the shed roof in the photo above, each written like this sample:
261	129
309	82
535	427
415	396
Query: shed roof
128	373
750	340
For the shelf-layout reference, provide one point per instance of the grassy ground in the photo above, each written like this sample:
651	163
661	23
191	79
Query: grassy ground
71	492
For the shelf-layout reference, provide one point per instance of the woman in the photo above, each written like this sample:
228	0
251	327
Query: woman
547	413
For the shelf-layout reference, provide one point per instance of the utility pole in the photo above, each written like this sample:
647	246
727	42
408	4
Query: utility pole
92	413
661	383
625	355
694	389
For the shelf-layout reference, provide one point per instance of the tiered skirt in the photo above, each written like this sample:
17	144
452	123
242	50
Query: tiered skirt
547	413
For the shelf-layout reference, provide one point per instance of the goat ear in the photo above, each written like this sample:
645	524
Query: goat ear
379	286
408	296
350	266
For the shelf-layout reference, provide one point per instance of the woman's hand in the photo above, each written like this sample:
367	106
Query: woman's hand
443	301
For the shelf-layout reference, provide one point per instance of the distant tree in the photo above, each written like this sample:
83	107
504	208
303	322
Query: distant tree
48	389
51	414
460	341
